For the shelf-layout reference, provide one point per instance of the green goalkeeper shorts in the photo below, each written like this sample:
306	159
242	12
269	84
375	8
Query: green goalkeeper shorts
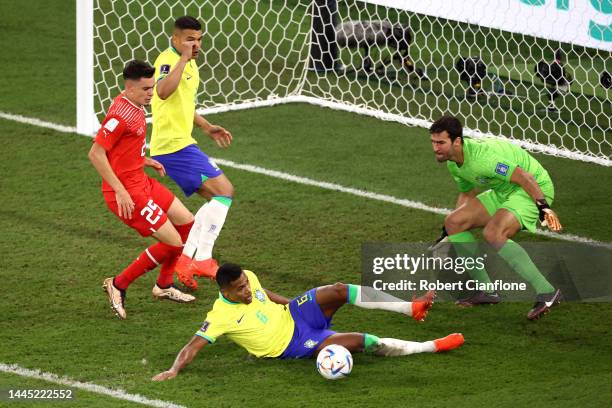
518	203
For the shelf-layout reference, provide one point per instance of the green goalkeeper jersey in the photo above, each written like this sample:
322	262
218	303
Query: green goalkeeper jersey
489	164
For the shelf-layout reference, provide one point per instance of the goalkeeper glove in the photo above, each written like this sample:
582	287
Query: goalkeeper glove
548	218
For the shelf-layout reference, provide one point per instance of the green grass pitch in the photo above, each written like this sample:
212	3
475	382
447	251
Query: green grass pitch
58	242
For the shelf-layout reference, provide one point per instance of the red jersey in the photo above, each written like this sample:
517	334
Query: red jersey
123	136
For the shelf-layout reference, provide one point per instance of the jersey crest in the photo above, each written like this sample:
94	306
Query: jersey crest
501	169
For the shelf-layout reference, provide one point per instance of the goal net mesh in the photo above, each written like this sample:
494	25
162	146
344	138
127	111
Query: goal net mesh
373	59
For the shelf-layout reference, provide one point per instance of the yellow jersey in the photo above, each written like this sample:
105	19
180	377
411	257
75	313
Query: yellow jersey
263	328
173	117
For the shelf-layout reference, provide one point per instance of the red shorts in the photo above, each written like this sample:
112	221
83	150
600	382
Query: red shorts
151	204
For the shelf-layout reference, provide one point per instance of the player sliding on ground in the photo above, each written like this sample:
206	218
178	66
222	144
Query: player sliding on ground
141	202
173	107
270	325
518	192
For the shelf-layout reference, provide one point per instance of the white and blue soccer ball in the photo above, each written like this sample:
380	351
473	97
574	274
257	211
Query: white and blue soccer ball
334	362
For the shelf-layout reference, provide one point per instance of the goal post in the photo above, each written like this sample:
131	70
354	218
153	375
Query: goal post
86	120
532	71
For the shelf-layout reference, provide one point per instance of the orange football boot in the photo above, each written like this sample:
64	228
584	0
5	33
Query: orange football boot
184	270
452	341
422	304
206	268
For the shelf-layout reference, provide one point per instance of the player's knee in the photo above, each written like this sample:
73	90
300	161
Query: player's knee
341	290
455	222
223	188
493	234
173	239
227	190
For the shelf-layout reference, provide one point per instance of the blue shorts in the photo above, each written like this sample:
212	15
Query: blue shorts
311	326
189	168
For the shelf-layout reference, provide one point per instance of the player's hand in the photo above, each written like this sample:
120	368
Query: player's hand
166	375
125	205
550	219
222	137
159	168
187	50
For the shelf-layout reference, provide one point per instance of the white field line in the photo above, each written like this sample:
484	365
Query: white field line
98	389
315	183
380	197
37	122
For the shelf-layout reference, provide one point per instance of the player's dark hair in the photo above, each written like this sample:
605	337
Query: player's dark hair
137	69
449	123
228	273
187	23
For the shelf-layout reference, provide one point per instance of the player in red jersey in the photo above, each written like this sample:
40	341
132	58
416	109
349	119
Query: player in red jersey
141	202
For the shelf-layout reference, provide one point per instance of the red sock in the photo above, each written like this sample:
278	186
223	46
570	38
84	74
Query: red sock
166	274
147	260
183	230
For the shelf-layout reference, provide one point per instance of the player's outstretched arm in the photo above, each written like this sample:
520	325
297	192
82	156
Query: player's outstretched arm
184	357
548	217
159	168
222	137
281	300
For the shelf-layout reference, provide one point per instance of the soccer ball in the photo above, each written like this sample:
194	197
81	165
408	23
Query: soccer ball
334	362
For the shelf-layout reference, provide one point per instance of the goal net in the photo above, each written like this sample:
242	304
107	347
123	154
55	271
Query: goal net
534	71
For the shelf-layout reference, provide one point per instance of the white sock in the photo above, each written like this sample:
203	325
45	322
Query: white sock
393	347
191	246
370	298
211	216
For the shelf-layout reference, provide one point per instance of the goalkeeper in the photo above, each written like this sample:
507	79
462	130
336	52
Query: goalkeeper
270	325
518	192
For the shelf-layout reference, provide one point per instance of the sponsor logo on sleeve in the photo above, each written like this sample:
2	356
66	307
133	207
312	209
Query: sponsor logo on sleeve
502	169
